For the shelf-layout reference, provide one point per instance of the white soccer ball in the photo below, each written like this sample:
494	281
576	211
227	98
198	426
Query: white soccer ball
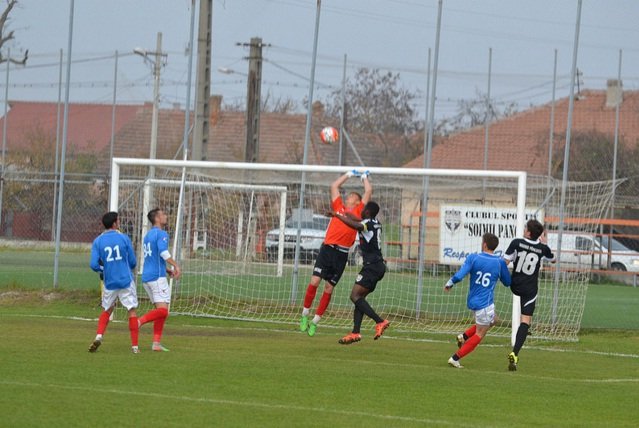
329	135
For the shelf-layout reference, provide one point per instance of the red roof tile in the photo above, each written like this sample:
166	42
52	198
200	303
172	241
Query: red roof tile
89	125
520	142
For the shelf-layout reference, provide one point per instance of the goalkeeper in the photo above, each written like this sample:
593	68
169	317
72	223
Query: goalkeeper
485	269
333	254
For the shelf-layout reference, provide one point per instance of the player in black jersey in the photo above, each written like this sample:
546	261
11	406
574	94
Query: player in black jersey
369	231
526	254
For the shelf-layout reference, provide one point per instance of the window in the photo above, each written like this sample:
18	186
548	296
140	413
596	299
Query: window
583	244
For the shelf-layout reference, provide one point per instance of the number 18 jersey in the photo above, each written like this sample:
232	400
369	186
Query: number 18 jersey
527	256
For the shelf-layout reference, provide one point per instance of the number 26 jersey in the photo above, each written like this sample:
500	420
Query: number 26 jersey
527	256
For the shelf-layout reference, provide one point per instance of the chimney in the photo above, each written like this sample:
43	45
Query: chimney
614	93
215	106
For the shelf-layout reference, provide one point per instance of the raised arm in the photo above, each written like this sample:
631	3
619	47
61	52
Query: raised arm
548	254
368	188
337	184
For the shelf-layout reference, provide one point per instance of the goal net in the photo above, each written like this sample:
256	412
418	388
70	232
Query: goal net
248	234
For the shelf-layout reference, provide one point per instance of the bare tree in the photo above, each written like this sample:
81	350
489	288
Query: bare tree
375	103
474	112
591	158
6	36
269	104
284	105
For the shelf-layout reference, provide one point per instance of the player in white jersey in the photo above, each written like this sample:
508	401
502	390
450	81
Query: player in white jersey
527	255
485	269
112	255
154	274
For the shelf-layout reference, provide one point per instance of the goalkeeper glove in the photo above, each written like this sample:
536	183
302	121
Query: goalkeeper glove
353	173
365	175
449	284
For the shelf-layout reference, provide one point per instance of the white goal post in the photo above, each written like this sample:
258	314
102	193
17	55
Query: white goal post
233	206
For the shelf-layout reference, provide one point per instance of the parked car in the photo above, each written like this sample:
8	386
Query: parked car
592	250
313	230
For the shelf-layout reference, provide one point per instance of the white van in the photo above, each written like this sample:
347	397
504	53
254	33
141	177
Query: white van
591	251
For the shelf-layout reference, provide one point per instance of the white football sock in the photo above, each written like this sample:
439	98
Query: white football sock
316	319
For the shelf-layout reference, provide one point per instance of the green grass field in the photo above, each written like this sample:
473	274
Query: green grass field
230	373
608	306
238	374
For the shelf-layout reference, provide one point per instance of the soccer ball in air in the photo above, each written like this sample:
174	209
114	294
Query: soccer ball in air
329	135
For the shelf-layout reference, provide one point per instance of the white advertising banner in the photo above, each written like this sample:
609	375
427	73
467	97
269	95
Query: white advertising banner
462	226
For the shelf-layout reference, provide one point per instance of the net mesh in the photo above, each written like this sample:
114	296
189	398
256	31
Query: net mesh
234	223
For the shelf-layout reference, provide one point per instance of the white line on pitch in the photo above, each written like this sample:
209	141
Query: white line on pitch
233	402
409	339
382	363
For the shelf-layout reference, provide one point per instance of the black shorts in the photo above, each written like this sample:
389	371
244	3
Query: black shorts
370	275
330	264
527	298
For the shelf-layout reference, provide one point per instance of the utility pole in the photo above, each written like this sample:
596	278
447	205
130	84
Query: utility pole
157	68
578	81
4	136
342	118
203	82
158	61
253	100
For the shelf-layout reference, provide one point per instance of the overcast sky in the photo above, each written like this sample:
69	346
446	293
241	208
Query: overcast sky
392	35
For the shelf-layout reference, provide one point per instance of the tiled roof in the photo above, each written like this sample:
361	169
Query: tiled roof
89	125
281	135
521	142
281	139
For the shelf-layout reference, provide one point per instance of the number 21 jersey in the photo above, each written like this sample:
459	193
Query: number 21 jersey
526	256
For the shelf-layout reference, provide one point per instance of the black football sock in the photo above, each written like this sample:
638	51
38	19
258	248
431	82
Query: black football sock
520	338
358	316
364	307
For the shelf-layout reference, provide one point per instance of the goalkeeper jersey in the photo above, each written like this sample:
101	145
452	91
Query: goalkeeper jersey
338	233
113	252
484	269
156	245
